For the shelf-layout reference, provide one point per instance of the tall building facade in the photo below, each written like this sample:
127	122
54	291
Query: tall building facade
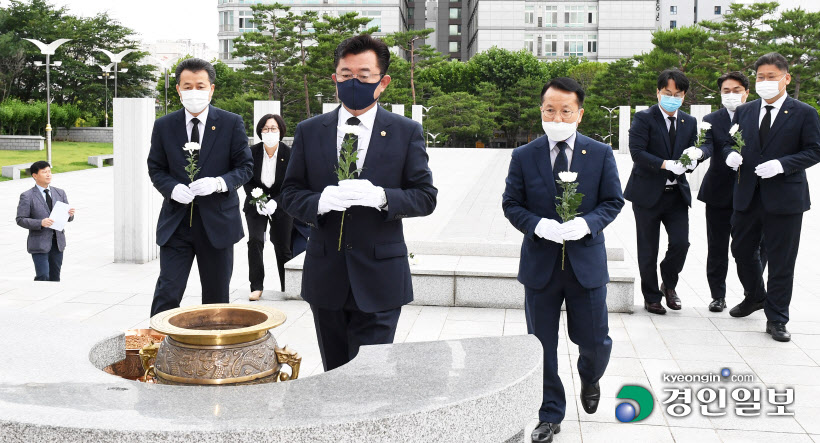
236	17
671	14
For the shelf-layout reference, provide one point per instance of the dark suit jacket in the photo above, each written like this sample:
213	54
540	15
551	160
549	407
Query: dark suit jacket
649	146
719	180
373	259
530	196
31	211
274	192
794	140
224	154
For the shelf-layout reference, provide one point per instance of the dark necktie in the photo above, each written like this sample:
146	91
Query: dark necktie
561	163
49	201
353	121
672	135
195	130
766	125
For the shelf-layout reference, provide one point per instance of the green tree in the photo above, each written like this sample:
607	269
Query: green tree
407	41
796	35
736	40
461	118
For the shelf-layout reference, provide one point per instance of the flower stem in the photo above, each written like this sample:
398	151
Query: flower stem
563	254
341	229
191	220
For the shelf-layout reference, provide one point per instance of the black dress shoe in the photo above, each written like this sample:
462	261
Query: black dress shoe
544	432
590	395
672	299
745	308
654	308
778	331
717	305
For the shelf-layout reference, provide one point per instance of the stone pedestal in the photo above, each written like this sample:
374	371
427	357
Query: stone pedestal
696	177
417	112
624	122
398	109
136	202
260	108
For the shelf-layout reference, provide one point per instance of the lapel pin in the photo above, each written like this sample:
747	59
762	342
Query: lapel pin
384	133
785	112
584	151
213	128
681	120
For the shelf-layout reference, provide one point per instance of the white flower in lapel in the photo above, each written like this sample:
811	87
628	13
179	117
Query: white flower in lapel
190	147
567	176
349	129
733	130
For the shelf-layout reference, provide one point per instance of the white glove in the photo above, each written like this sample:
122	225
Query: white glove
270	207
675	167
260	209
365	193
204	186
182	194
333	199
694	153
549	229
769	169
734	160
574	229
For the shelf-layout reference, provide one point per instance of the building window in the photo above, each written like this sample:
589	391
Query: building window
455	29
717	10
455	13
246	21
550	16
540	52
375	19
592	15
592	43
573	16
226	21
550	45
673	24
529	14
573	45
455	46
673	10
528	43
411	12
225	49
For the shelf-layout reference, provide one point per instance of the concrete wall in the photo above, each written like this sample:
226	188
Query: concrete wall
21	143
85	135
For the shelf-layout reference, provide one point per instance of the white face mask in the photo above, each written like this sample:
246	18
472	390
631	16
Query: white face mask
195	100
270	139
731	101
559	131
769	89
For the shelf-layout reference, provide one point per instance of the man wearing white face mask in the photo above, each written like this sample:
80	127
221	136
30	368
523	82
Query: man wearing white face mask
782	140
580	279
658	188
199	218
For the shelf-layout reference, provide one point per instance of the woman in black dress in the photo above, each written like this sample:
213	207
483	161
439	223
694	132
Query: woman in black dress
270	160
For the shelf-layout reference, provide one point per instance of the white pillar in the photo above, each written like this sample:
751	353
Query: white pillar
263	107
398	109
696	177
329	107
417	113
624	122
136	202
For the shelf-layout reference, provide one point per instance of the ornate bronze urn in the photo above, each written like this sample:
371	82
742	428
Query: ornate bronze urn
219	344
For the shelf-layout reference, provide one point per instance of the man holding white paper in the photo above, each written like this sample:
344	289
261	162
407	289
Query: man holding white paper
44	211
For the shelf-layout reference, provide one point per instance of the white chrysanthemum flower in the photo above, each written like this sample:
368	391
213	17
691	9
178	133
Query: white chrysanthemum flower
705	125
256	193
734	129
192	146
567	176
349	129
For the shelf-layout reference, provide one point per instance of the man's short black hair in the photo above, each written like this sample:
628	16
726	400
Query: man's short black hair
37	166
773	58
195	65
734	75
280	122
565	84
361	43
673	74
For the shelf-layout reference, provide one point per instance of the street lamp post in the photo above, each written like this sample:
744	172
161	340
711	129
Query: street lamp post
164	65
319	97
424	112
435	136
610	121
48	50
106	73
116	59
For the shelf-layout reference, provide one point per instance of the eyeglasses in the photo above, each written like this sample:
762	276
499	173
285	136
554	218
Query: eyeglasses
565	114
678	94
266	130
363	77
771	77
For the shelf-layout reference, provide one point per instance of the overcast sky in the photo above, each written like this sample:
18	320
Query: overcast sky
155	19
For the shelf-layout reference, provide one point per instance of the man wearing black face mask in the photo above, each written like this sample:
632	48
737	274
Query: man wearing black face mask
356	287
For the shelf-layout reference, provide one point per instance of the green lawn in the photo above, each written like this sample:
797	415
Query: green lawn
66	156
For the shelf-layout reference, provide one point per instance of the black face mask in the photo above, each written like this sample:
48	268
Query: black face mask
355	94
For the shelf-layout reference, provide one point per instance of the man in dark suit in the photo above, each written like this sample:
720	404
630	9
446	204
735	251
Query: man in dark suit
782	140
658	188
45	244
529	202
718	185
356	288
199	218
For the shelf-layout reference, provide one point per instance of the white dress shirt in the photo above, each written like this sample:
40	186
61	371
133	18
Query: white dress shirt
42	192
366	122
268	175
777	105
554	150
189	125
668	127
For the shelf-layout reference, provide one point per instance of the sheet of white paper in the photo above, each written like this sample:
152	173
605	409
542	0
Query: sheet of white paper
59	213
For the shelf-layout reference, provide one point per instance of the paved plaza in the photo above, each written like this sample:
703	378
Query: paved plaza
97	291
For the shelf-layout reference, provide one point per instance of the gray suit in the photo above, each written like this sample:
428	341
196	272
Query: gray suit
31	211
